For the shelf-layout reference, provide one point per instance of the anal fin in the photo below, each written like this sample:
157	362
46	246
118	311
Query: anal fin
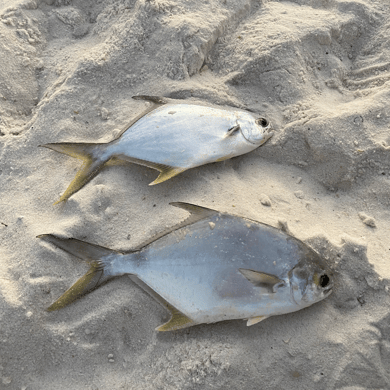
255	320
177	321
166	173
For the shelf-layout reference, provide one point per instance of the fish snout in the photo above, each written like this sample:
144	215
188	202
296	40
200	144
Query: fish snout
256	131
268	134
265	127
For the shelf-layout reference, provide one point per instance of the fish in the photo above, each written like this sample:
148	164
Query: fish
211	267
170	137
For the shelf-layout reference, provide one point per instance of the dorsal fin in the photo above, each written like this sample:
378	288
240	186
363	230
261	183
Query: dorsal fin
177	321
157	102
197	213
153	99
200	211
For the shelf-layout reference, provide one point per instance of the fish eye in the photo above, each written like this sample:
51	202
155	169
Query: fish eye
324	280
262	122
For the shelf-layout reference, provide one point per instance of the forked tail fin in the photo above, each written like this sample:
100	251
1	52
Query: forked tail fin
91	154
96	275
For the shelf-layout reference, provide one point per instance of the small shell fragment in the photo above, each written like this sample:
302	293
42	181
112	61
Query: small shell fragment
367	220
265	200
299	194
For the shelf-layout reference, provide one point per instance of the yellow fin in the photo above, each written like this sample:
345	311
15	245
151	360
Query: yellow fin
88	152
96	274
177	321
255	320
85	174
83	285
166	173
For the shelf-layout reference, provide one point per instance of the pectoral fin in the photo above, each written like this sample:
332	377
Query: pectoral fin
232	131
255	320
81	249
262	279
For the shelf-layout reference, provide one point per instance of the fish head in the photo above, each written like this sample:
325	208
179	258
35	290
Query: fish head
256	131
311	280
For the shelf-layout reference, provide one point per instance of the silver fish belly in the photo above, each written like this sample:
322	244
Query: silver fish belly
171	137
211	267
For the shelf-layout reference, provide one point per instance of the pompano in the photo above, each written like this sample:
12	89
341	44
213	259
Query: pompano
170	137
211	267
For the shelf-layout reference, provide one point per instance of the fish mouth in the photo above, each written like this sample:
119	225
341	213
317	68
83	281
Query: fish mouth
327	291
268	133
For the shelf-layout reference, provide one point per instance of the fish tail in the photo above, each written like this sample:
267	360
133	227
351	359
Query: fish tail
95	276
94	159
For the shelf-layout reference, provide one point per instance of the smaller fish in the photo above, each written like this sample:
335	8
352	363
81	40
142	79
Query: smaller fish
170	137
211	267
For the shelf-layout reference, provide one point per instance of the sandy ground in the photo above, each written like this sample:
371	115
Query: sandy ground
318	69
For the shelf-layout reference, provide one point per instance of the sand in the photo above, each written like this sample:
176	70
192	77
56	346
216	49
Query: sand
317	69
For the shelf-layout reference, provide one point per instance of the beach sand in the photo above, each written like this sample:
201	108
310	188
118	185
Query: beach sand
319	70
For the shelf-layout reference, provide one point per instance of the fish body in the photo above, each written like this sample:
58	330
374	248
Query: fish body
171	138
214	267
185	136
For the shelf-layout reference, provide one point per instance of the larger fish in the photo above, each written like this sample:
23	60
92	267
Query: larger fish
209	268
171	137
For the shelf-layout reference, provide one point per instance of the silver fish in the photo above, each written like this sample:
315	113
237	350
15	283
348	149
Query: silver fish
209	268
170	137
